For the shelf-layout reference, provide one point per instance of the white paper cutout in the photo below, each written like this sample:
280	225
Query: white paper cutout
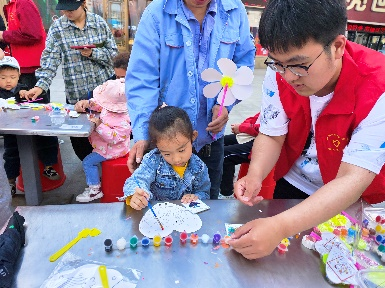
196	206
172	216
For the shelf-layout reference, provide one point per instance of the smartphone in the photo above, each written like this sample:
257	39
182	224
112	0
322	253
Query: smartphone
89	46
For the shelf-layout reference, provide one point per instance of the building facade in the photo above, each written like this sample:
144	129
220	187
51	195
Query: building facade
366	19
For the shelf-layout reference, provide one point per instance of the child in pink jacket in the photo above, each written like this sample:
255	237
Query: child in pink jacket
111	137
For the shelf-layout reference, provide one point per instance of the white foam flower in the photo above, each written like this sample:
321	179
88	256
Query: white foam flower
238	82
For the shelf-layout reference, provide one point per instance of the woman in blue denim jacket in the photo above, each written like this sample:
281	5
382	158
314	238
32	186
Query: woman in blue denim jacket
171	171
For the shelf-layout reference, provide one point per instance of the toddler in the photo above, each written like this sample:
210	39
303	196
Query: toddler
111	137
171	171
47	145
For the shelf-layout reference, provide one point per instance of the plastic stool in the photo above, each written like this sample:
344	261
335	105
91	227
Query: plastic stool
46	184
114	174
268	184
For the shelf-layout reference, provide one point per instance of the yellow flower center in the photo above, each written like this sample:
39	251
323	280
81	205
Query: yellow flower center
227	80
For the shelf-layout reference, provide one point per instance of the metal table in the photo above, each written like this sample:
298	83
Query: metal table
51	227
19	122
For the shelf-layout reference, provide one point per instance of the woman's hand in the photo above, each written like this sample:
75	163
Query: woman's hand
139	199
33	93
188	198
86	52
82	105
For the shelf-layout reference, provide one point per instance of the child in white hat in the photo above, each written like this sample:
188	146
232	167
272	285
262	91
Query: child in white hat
111	137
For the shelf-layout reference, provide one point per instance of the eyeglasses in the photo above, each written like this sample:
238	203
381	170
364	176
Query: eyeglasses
298	70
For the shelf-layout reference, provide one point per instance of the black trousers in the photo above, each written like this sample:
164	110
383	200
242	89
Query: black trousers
234	154
284	190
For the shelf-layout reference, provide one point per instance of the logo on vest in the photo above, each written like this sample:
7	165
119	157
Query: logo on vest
335	142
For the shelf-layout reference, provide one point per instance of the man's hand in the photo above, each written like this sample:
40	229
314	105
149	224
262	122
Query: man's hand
257	238
217	123
235	128
246	190
82	105
33	93
139	199
136	154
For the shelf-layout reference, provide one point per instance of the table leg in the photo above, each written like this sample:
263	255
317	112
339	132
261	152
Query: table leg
30	166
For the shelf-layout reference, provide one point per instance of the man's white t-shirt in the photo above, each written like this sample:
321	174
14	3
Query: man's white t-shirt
365	149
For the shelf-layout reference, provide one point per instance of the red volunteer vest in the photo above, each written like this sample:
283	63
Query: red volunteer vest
360	85
26	55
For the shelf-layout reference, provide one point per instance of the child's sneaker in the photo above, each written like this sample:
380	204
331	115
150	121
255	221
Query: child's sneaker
51	173
13	188
90	194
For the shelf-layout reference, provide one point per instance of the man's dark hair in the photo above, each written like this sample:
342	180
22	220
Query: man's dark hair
286	24
121	60
166	122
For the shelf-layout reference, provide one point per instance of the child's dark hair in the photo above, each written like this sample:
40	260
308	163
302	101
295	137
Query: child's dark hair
6	67
121	60
166	122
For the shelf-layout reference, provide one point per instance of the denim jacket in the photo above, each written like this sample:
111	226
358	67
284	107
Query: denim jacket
162	65
159	179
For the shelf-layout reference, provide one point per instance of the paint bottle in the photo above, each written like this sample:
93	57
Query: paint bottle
194	238
157	240
205	238
134	241
121	243
168	240
282	248
108	245
145	242
183	237
217	238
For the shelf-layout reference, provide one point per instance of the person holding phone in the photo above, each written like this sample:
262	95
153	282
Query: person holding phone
88	63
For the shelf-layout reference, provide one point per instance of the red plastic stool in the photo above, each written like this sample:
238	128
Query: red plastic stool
46	184
114	174
268	184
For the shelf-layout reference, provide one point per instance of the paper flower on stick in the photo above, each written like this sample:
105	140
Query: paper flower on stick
232	84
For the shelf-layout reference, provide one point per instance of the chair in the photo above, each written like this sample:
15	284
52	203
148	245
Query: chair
46	184
114	174
268	184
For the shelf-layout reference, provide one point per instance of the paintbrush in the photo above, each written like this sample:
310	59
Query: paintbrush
149	205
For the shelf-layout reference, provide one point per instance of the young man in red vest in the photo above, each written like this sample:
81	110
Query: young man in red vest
322	122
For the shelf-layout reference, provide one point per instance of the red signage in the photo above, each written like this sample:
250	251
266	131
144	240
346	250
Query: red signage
255	3
366	28
372	11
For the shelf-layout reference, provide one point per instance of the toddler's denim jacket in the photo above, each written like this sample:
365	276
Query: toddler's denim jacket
159	179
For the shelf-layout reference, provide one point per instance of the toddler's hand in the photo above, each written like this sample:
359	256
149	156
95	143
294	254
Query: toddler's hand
139	199
188	198
82	105
22	93
235	128
96	120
